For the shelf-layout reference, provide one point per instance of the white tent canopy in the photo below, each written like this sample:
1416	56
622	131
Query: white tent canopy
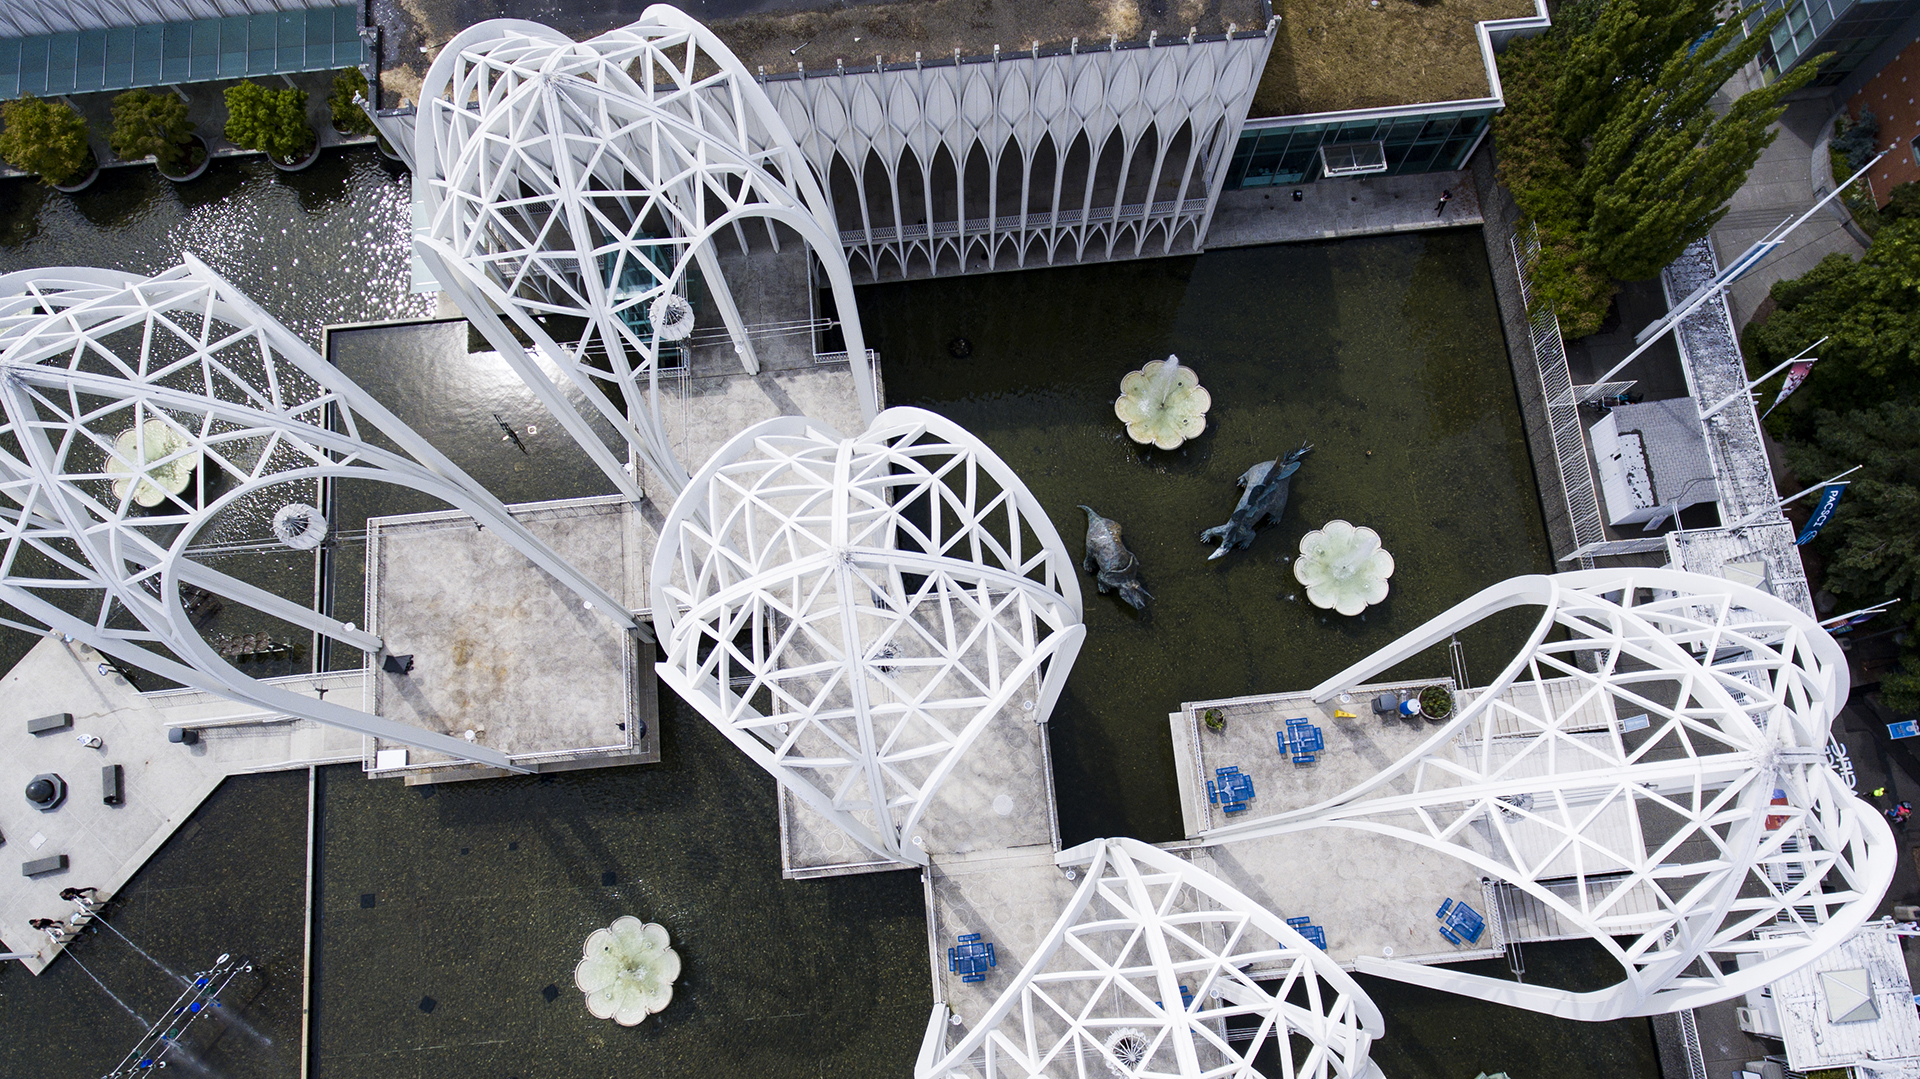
1666	844
138	412
573	183
1102	994
854	612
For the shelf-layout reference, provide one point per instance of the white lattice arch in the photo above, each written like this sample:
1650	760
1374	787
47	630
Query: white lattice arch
1143	925
1665	845
580	181
854	612
86	355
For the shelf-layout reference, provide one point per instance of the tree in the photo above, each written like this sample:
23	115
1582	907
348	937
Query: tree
1869	312
271	121
1872	544
149	124
349	87
1610	145
45	138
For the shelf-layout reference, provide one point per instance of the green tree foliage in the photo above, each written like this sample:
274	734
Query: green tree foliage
44	137
272	121
348	116
146	123
1872	545
1868	310
1611	148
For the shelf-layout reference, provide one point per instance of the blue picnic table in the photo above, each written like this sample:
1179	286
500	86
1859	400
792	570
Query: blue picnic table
1301	740
1304	926
971	959
1460	923
1230	789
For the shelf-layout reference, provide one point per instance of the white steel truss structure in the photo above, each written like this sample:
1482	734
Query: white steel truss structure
1022	160
570	185
116	390
1102	994
1715	834
853	612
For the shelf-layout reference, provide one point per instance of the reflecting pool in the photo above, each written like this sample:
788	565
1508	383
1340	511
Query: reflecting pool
1386	354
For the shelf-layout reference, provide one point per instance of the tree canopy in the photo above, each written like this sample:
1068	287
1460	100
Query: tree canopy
348	116
149	124
1872	545
45	138
272	121
1610	145
1869	312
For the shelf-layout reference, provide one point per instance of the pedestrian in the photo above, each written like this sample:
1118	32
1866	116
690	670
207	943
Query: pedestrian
1899	813
1445	197
43	923
75	893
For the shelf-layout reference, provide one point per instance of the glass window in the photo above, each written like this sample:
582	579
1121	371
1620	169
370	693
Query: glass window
9	67
176	52
33	66
261	30
205	61
292	52
148	46
90	68
346	30
120	56
63	52
233	46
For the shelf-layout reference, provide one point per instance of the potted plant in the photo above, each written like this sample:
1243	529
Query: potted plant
273	122
48	139
1436	702
1216	720
349	90
146	124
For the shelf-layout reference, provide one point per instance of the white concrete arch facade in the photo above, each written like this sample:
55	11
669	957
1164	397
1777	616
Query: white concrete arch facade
185	358
1027	160
854	612
1665	844
1102	994
575	183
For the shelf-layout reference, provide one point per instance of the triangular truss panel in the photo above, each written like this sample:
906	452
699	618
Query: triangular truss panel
1652	770
571	185
138	412
853	612
1102	995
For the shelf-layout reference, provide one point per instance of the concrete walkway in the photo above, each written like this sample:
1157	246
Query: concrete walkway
164	782
1788	178
1367	206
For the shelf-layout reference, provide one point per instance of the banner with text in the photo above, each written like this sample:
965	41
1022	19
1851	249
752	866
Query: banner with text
1822	513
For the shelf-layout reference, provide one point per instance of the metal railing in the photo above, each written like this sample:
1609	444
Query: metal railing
1563	411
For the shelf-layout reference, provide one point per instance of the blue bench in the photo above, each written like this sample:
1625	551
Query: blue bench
971	959
1459	923
1186	998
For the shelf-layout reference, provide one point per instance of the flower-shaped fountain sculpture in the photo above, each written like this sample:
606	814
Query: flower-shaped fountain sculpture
672	317
1343	567
627	971
1163	403
155	482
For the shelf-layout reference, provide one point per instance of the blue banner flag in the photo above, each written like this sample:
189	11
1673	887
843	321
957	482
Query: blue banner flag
1822	513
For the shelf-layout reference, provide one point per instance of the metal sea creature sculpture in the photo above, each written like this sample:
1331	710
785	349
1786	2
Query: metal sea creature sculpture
1264	499
1343	567
1163	404
627	971
1112	565
155	481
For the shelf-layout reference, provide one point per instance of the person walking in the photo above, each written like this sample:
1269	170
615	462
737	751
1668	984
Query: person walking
75	893
1899	813
1445	197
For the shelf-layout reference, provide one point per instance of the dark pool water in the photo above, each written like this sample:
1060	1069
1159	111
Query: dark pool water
1385	353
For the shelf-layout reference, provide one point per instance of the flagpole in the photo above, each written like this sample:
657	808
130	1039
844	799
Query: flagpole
1878	608
1783	503
1751	386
